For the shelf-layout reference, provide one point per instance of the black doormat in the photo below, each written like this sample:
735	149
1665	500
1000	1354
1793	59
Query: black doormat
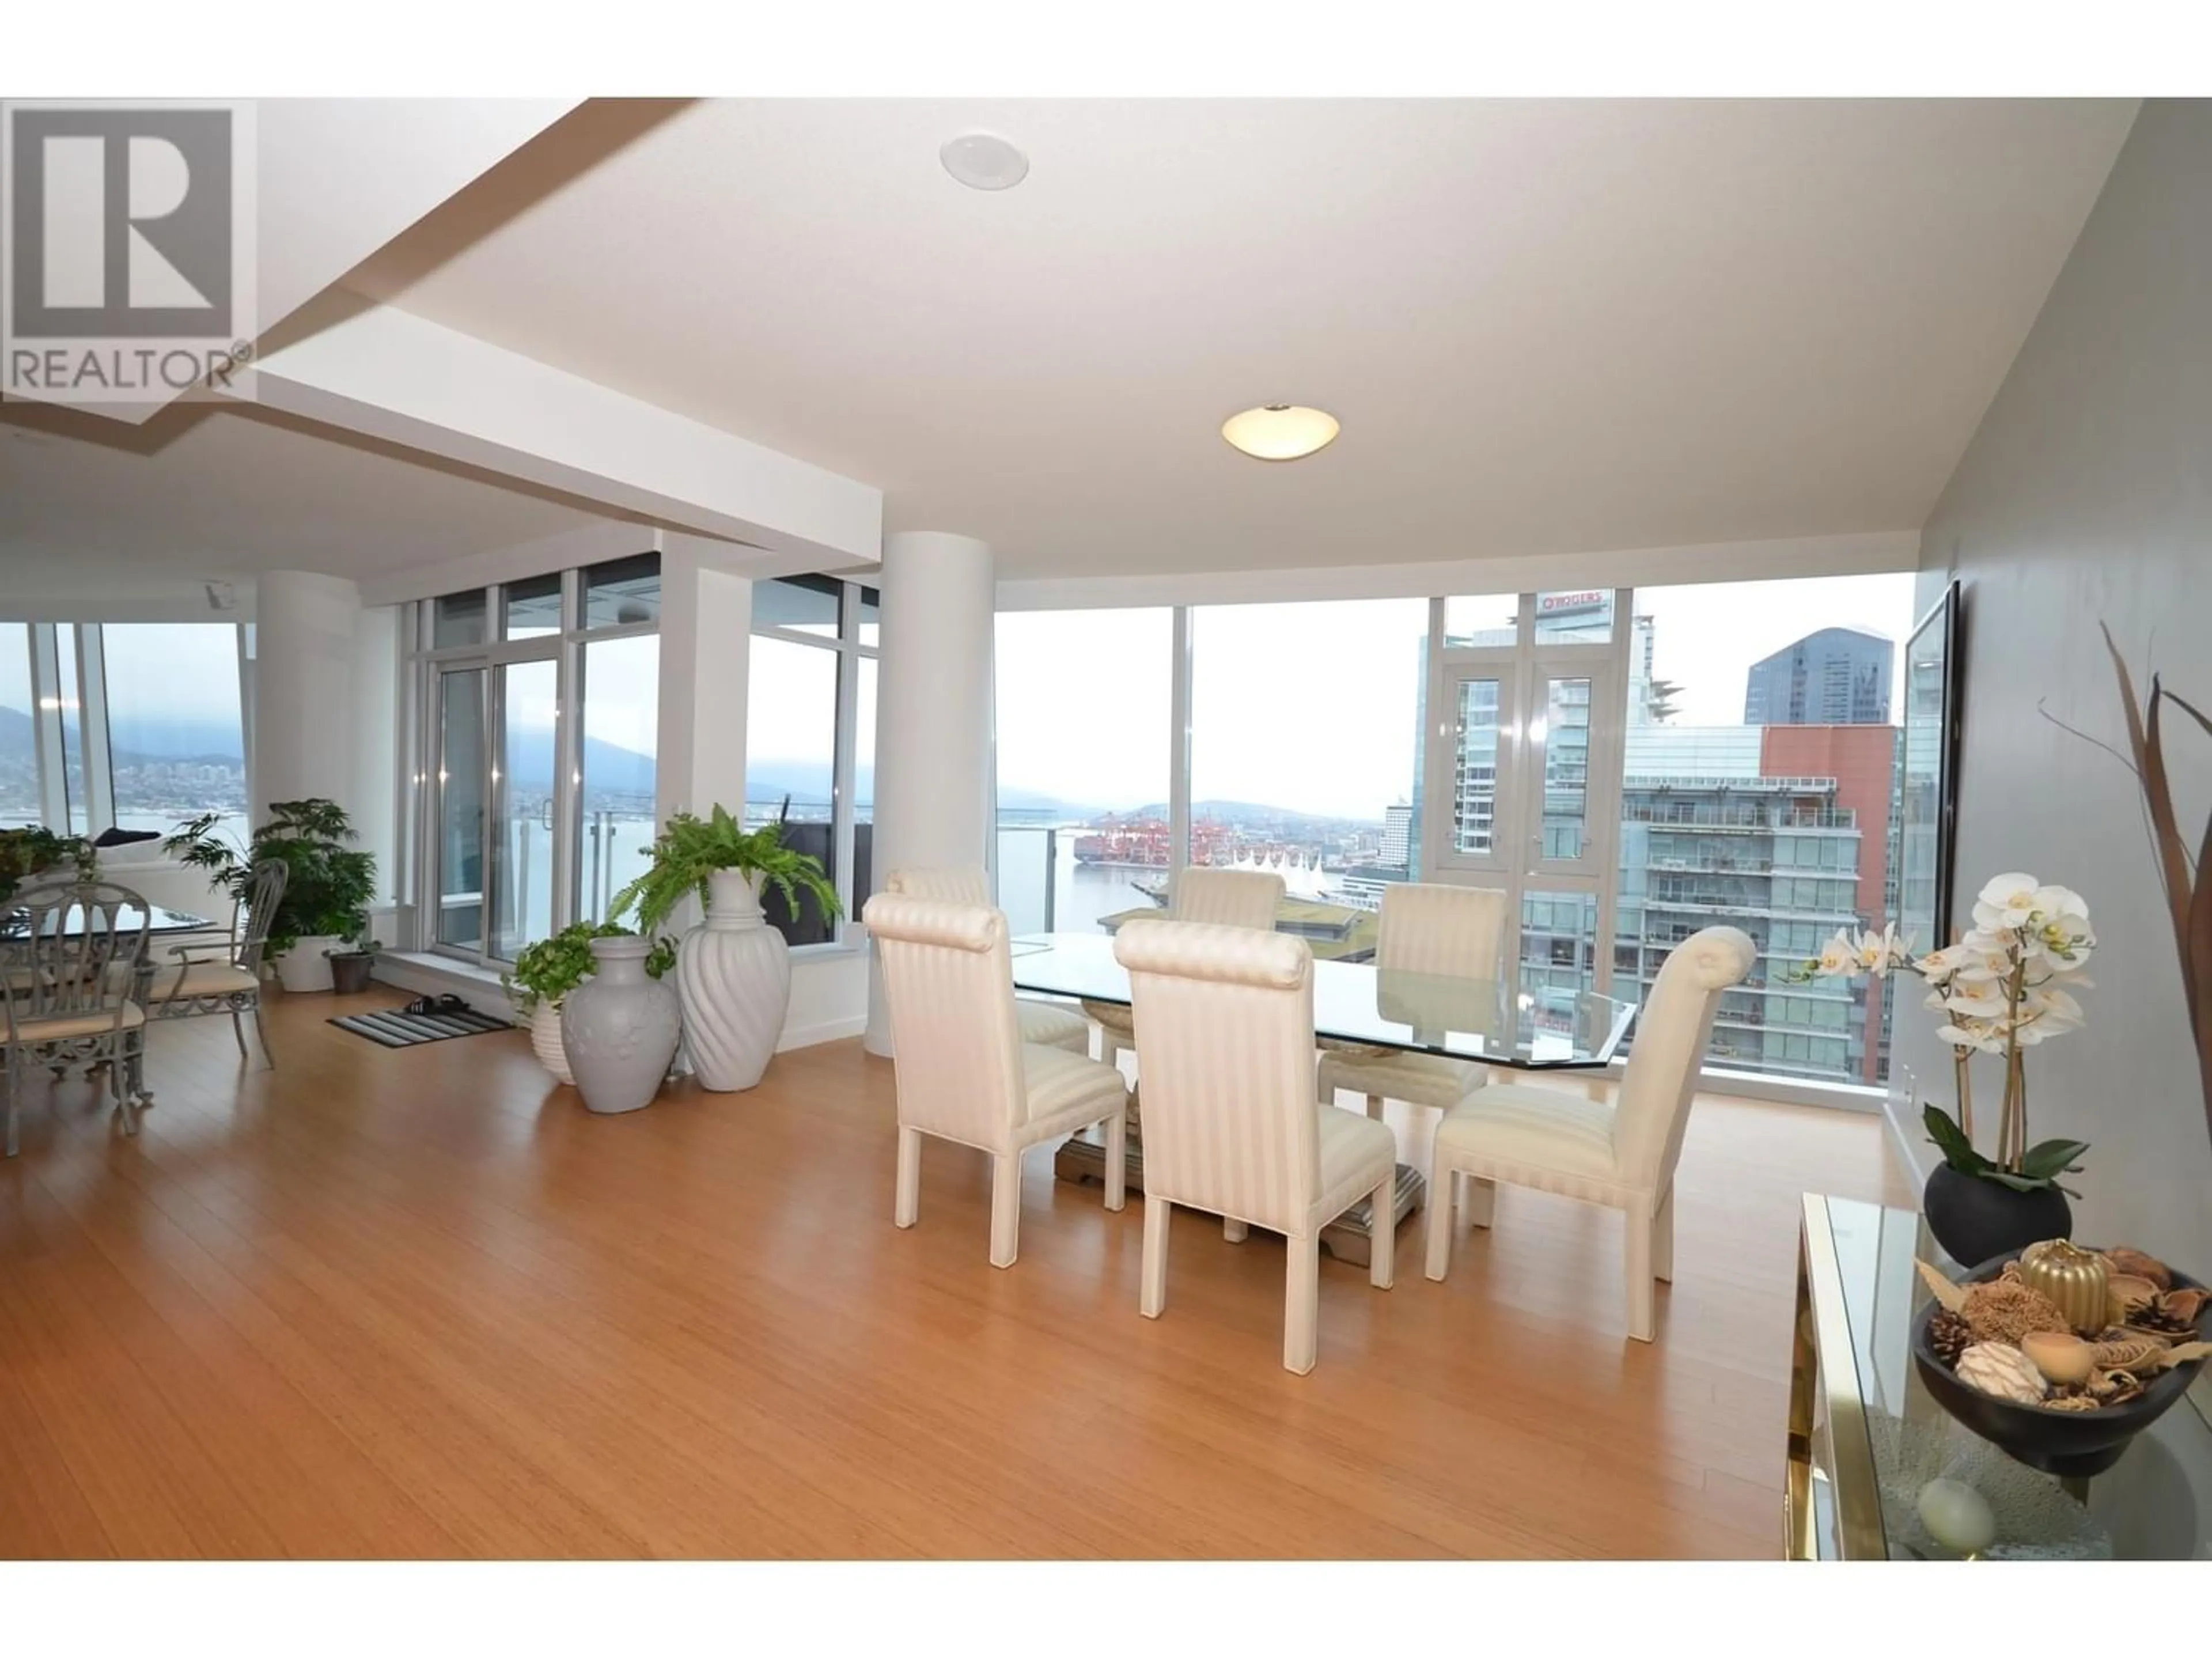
396	1028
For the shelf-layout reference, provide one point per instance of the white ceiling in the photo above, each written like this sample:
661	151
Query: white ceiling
201	492
1547	326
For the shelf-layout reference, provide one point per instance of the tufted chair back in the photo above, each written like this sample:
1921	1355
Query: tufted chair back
1430	928
1227	898
968	886
1672	1030
1225	1024
949	985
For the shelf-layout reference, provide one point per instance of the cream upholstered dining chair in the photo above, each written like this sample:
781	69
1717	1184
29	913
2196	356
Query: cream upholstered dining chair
1054	1025
65	1004
965	1074
1219	899
1426	928
1225	1026
1622	1155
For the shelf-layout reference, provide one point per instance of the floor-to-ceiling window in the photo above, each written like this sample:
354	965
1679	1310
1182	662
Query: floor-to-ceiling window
19	731
538	714
122	726
1523	682
1305	753
1630	765
1083	712
1759	792
811	737
176	724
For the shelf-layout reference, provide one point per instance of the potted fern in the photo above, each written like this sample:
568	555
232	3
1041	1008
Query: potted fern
733	971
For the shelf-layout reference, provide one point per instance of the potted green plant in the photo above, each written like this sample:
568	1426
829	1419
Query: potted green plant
32	852
2000	990
733	971
547	970
329	887
351	962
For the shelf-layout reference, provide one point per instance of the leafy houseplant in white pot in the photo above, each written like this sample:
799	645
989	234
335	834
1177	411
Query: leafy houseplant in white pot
733	971
329	884
2000	990
546	971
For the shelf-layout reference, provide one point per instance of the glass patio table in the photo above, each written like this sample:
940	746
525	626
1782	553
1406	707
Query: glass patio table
1489	1022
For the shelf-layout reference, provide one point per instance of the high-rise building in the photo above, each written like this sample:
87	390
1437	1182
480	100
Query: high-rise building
1644	699
1782	832
1836	676
1398	837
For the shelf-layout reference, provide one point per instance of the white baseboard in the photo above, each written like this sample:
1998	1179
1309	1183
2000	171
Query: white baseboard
424	973
828	1031
430	976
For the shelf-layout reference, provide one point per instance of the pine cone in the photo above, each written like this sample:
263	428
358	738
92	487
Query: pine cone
1949	1335
2149	1316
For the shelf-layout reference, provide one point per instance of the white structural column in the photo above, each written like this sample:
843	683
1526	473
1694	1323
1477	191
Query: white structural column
932	804
706	635
303	688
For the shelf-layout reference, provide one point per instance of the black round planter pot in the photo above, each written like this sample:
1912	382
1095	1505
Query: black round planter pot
350	974
1974	1219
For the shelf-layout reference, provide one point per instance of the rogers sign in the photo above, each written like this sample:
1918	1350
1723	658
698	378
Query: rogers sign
1552	604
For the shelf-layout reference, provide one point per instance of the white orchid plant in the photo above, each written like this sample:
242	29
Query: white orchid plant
2001	989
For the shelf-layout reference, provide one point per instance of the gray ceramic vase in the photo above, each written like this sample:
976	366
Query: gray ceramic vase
620	1028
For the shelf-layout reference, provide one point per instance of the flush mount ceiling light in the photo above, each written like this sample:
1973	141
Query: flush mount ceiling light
984	161
1280	432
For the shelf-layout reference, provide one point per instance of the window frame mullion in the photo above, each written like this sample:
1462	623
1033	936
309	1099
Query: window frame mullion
46	728
91	730
844	743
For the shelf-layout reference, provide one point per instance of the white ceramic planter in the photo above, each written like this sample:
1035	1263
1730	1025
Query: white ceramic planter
304	967
619	1027
545	1040
733	972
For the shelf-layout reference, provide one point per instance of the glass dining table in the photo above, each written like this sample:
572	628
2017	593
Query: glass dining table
1493	1022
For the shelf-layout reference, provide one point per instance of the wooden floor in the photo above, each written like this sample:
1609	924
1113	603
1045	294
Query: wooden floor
422	1303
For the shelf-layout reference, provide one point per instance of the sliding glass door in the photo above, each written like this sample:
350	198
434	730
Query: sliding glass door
540	702
522	793
1526	784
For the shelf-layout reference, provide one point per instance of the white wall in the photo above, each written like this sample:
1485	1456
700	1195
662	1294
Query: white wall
2084	497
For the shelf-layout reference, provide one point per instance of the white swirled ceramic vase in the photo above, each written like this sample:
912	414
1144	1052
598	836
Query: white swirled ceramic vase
619	1027
734	972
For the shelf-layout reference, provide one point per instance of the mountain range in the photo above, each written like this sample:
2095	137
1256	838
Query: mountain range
136	740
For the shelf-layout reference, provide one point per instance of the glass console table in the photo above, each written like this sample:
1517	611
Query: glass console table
1866	1437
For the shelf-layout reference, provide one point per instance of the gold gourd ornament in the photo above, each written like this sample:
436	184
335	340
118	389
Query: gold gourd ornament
2071	1278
